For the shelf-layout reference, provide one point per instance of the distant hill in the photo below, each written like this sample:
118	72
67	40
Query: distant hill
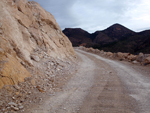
140	42
117	32
78	36
115	38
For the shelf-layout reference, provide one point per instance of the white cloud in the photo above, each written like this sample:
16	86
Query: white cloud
138	15
98	14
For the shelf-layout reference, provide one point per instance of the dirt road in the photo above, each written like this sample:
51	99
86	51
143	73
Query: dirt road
101	86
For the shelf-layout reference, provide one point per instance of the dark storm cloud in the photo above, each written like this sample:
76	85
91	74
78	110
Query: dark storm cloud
98	14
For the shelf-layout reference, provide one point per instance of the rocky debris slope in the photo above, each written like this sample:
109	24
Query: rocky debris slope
141	59
33	51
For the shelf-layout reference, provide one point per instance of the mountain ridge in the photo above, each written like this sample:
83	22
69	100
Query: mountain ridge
114	38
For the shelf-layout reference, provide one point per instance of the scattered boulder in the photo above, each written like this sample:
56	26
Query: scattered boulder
97	51
91	50
102	52
16	87
12	104
131	57
135	62
35	58
147	60
126	55
15	108
21	107
120	55
140	57
135	59
109	54
38	87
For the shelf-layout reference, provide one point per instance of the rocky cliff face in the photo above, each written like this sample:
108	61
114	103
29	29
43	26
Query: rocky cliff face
28	34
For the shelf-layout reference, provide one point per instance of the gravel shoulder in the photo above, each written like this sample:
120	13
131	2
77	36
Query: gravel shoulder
100	86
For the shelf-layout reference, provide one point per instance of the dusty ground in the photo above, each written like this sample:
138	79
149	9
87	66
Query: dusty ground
101	86
46	79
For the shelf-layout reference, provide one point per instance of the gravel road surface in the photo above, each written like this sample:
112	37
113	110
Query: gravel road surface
101	86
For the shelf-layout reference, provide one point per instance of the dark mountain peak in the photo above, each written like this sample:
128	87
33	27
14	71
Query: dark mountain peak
116	38
118	31
118	27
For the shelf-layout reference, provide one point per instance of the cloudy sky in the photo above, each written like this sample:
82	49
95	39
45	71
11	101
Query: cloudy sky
93	15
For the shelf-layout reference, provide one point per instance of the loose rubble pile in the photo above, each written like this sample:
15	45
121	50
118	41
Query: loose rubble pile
46	80
142	59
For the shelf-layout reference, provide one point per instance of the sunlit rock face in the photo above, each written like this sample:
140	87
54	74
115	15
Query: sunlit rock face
27	32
